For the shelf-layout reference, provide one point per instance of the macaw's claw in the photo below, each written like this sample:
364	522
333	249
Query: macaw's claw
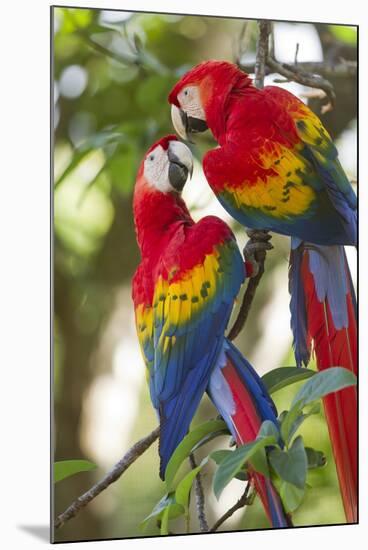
255	250
258	234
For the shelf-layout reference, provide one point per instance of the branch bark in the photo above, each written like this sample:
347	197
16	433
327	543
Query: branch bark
262	53
243	501
293	72
199	493
343	69
113	475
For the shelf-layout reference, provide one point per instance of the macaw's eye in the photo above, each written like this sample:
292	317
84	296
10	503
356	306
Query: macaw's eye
152	157
186	92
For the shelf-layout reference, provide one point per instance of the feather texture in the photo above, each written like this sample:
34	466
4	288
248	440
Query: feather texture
329	316
240	396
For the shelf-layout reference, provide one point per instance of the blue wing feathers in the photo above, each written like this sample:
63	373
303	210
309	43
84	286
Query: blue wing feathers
182	368
298	319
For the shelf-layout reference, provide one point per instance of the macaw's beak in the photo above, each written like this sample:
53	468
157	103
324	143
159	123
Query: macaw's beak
180	164
186	125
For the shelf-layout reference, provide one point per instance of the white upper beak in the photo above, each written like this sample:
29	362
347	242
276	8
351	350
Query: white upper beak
178	122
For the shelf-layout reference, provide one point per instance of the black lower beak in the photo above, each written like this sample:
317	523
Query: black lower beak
192	125
178	172
196	125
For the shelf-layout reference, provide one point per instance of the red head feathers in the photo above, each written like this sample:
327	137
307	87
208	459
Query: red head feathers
213	83
208	73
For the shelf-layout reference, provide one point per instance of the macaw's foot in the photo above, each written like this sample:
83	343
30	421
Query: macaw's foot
255	250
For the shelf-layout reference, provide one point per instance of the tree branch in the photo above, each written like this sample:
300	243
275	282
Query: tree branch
343	69
243	501
249	294
262	53
293	72
311	74
265	29
131	456
199	493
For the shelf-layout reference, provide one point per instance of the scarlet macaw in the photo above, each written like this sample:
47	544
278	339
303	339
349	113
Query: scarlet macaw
276	168
183	293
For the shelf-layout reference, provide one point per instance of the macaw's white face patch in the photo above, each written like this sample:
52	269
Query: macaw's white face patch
168	170
156	169
190	101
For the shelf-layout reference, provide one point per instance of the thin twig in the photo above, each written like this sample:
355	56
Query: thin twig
131	456
293	72
243	501
341	69
199	494
296	54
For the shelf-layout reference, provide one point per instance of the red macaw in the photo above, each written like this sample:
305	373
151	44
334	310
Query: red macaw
276	168
183	293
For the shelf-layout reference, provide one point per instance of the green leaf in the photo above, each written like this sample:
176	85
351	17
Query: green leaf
184	487
288	423
164	530
291	429
321	384
282	416
219	456
67	468
268	428
186	446
316	459
242	475
231	465
291	496
284	376
167	501
138	44
209	437
324	382
291	465
259	462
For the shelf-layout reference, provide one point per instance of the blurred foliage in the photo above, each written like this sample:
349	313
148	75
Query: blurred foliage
344	34
112	73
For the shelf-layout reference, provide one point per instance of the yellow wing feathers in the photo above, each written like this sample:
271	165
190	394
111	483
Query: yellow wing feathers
282	191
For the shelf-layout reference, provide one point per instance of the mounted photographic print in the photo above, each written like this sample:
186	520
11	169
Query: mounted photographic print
205	266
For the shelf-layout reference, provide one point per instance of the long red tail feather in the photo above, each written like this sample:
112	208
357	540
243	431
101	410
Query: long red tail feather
336	348
246	421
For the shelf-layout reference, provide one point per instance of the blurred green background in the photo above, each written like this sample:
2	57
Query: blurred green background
112	73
